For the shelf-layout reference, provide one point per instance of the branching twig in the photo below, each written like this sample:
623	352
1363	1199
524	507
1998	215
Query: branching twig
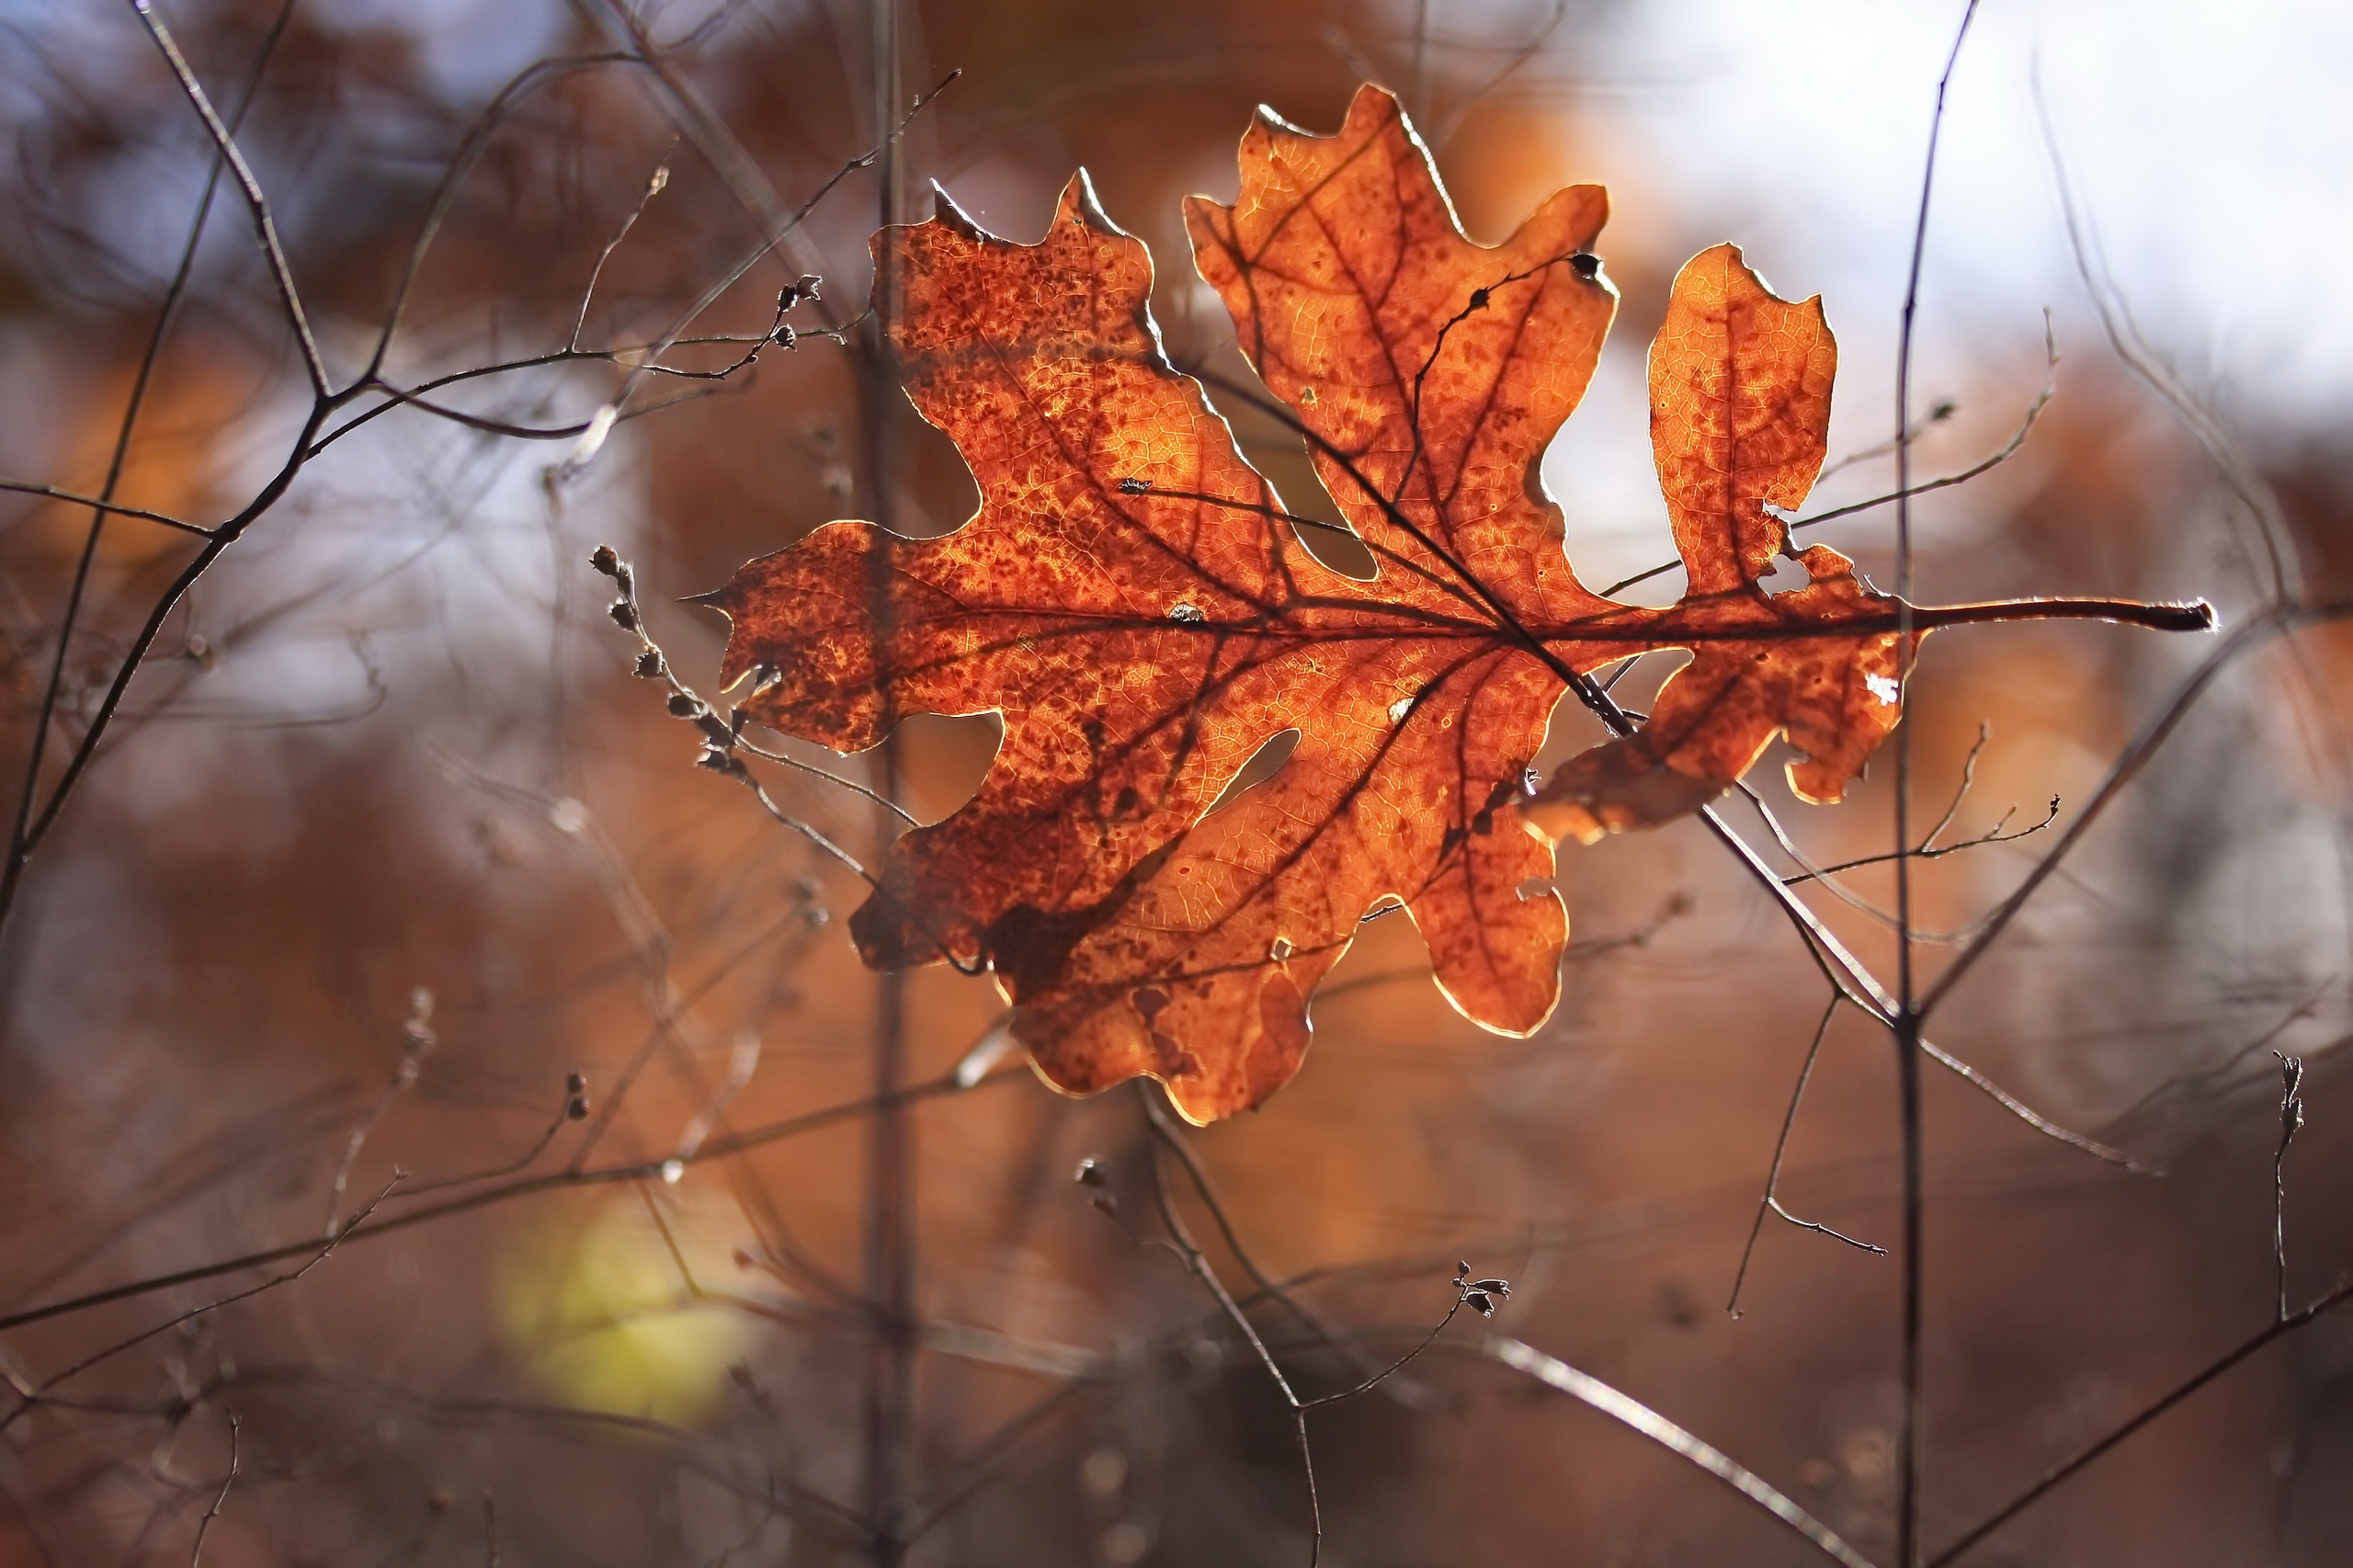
31	1396
1770	1201
98	503
1478	1294
356	1230
2252	634
1929	849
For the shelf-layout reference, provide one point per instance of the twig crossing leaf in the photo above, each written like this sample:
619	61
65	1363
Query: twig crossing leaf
1137	606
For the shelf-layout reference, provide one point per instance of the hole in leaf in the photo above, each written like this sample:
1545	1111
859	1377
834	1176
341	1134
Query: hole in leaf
941	761
1341	550
1262	765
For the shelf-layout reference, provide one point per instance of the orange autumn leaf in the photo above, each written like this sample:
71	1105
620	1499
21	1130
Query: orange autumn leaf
1137	605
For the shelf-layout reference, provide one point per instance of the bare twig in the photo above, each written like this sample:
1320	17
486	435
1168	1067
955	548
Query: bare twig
357	1230
1770	1201
34	817
2251	634
416	1040
722	737
2292	1121
655	186
2028	1114
575	1108
1164	1127
204	1525
281	273
1478	1294
110	508
1557	1374
1906	1023
1994	834
1197	1263
2132	345
2069	1468
22	831
1945	409
32	1396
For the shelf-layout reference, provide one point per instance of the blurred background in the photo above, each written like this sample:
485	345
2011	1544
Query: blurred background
383	841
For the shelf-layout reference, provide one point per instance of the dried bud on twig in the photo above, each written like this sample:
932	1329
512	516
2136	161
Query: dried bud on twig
1091	1176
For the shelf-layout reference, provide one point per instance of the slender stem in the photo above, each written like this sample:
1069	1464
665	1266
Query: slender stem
281	273
355	1232
104	508
1638	1417
1769	1201
20	833
890	1221
1908	1459
2066	1468
204	1525
2292	1121
1197	1263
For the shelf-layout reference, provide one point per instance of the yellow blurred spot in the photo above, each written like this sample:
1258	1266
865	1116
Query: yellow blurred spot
604	1320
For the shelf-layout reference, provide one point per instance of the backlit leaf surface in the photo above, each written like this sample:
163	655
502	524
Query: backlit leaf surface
1137	604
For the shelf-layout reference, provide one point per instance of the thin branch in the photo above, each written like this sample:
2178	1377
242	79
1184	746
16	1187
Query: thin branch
509	99
32	1396
2127	767
1197	1263
112	509
1968	779
1164	1128
1467	1294
653	187
2067	1469
158	615
416	1039
2027	1114
21	827
204	1525
1770	1201
1945	409
722	737
2132	345
1479	1294
257	204
1557	1374
1906	1024
576	1108
718	1148
2292	1121
1994	834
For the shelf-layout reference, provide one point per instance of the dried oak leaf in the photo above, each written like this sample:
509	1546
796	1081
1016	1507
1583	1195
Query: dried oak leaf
1136	603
